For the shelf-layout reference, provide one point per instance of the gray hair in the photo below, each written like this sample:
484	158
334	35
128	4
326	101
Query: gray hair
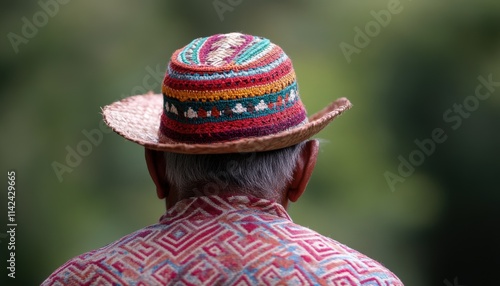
260	174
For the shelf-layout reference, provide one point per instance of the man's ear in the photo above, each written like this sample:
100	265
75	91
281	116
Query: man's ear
155	161
303	170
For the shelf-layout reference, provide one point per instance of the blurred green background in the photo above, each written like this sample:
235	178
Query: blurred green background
405	75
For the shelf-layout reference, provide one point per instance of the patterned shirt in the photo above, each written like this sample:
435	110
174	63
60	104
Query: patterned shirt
232	240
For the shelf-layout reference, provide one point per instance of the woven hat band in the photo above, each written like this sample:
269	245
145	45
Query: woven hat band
208	122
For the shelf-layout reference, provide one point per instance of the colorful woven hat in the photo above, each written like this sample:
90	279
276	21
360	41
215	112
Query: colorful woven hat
225	93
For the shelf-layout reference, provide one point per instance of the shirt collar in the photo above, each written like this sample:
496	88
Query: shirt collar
210	206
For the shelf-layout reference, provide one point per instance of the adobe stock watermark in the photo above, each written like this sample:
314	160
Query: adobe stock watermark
30	27
83	148
93	138
363	38
223	6
150	81
454	116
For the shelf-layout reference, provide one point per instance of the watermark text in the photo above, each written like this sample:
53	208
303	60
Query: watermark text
11	224
454	116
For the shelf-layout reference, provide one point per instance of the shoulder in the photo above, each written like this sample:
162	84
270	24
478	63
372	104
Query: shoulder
76	271
108	264
332	262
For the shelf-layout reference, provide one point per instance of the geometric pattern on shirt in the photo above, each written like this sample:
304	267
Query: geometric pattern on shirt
231	240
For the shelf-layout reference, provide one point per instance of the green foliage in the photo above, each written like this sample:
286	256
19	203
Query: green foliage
426	59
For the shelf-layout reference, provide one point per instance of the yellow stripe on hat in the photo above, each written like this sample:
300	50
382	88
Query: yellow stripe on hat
228	94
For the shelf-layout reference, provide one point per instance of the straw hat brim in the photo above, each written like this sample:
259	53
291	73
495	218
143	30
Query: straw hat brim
137	118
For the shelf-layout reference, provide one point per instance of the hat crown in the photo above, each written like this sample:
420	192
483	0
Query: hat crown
227	87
